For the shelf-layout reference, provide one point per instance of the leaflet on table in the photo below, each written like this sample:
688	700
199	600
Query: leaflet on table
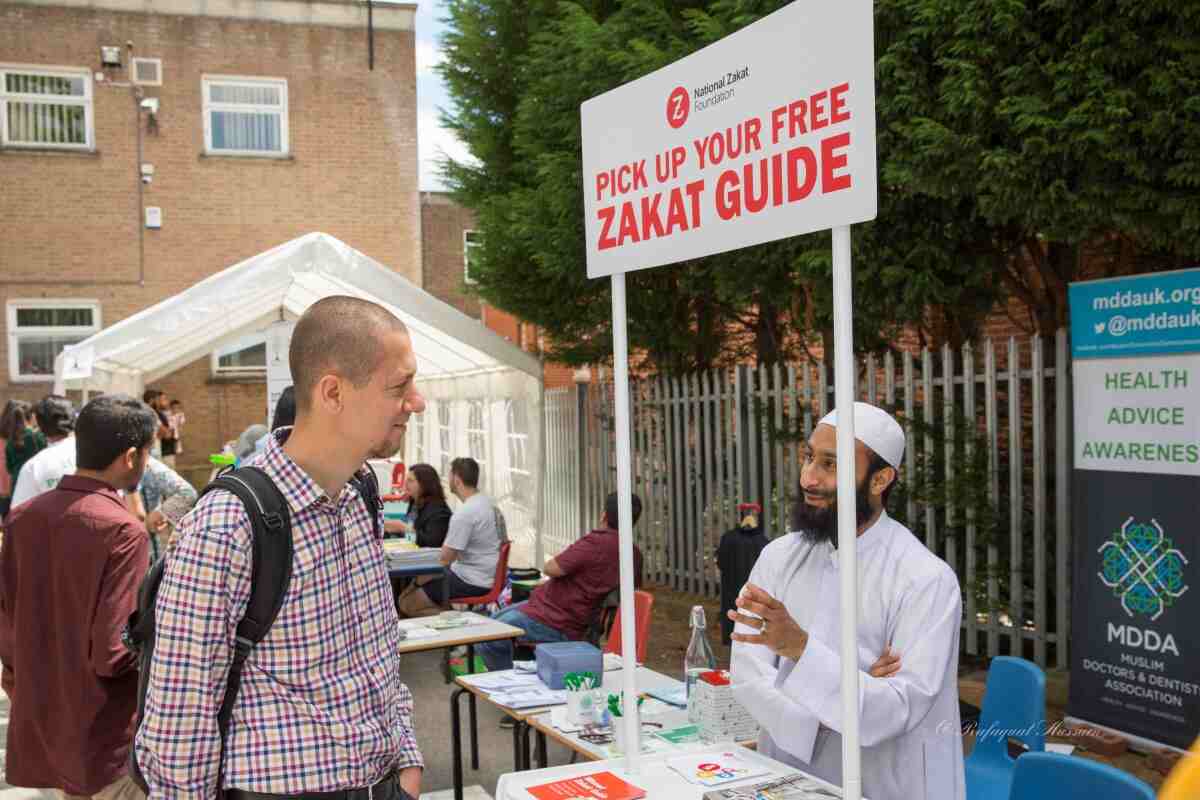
597	786
686	734
416	629
715	768
529	697
789	787
503	681
674	695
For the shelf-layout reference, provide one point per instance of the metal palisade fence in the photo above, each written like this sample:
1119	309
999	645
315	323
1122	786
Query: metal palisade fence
985	482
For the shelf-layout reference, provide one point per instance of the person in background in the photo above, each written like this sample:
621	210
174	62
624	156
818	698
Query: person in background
154	398
470	551
56	419
432	519
177	418
580	578
165	497
22	439
70	566
6	480
284	416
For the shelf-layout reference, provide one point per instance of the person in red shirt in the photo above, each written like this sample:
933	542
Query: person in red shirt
70	567
581	577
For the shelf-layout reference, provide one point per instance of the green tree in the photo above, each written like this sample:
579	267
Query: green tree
1071	129
1015	140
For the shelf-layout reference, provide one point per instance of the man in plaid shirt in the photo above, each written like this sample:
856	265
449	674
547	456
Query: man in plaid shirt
321	708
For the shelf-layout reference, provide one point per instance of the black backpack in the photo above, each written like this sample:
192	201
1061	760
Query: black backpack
271	573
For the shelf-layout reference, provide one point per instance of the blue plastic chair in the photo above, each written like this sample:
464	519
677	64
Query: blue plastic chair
1014	706
1053	776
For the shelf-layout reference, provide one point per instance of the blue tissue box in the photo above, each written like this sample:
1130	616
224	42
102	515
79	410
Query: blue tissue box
556	659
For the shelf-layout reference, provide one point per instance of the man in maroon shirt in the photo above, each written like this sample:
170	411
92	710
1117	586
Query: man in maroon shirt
581	577
70	567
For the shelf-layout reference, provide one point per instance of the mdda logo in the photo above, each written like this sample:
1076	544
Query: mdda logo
1143	568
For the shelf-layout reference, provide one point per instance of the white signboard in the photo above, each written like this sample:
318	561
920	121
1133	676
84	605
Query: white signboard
766	134
279	370
1138	414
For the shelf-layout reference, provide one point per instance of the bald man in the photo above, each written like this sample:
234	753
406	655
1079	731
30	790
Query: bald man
786	665
321	706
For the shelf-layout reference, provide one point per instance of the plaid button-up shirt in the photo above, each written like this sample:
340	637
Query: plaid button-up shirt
321	705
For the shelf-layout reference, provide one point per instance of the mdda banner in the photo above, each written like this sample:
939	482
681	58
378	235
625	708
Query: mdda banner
1135	640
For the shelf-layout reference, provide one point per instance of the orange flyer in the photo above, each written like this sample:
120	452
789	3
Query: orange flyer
597	786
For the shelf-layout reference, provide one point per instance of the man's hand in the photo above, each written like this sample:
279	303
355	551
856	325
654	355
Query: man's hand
410	781
887	665
777	630
156	522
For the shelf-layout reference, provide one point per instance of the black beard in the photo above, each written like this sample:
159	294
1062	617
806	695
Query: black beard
820	524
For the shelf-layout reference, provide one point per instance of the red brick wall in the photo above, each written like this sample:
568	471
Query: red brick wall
443	223
352	172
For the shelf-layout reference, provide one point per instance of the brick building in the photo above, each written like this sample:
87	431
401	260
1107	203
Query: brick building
144	147
447	235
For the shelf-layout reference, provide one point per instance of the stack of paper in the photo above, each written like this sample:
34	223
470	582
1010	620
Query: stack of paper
518	690
415	629
529	697
398	553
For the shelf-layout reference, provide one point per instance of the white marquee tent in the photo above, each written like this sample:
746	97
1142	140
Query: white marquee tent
484	394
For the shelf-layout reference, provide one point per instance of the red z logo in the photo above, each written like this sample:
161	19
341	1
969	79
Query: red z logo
677	107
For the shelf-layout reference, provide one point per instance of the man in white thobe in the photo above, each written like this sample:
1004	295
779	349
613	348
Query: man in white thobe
786	665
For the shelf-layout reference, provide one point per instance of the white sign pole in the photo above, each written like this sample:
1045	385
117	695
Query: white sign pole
630	720
843	382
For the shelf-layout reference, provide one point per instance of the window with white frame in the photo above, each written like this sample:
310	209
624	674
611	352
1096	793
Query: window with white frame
39	330
477	432
519	476
445	437
418	429
46	107
471	241
245	357
245	116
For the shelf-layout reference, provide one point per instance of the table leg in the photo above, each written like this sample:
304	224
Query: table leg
471	701
526	761
456	742
541	751
516	734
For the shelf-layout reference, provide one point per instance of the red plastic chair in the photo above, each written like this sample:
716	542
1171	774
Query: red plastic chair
398	473
643	603
497	585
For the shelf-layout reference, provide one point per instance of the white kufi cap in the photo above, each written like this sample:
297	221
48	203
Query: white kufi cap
877	429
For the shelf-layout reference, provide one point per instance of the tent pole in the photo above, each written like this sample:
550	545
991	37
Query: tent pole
843	381
630	719
539	552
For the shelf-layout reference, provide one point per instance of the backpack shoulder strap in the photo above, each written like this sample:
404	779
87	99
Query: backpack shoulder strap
368	488
271	569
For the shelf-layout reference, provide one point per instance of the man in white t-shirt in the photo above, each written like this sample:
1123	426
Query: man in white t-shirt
471	549
56	419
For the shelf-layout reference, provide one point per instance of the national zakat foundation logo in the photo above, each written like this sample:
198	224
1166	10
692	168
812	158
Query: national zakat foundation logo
1143	568
678	105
